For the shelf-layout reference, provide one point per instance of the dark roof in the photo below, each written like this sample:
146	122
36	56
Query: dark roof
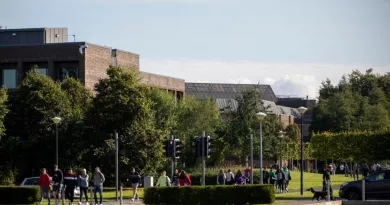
228	91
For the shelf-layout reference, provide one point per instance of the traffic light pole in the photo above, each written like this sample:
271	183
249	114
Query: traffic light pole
203	159
172	160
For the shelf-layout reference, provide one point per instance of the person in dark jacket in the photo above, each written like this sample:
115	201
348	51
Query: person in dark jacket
57	180
70	181
175	178
135	181
240	178
221	178
265	176
280	179
83	184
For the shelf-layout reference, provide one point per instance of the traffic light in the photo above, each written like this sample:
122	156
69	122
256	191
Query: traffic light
168	148
198	146
209	146
176	148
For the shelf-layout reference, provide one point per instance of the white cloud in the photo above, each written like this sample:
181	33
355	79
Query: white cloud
298	79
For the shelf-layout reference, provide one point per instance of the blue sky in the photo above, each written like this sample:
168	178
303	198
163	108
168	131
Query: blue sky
291	44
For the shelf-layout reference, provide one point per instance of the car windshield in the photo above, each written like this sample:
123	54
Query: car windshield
376	177
31	181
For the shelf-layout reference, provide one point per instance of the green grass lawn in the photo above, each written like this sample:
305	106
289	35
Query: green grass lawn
314	180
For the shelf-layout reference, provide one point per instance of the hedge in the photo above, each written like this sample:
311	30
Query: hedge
212	179
216	195
18	195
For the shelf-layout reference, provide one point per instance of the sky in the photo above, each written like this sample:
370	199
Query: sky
293	45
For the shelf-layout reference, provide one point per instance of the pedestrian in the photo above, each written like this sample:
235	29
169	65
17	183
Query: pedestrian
287	175
70	182
221	178
98	180
175	180
230	178
83	181
58	181
265	176
326	181
365	169
247	175
280	178
163	180
240	179
184	179
44	186
135	181
272	177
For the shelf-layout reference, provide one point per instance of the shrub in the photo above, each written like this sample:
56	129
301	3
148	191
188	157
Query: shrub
217	195
18	195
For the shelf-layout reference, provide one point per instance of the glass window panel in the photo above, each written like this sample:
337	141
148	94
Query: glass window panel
9	78
69	72
42	71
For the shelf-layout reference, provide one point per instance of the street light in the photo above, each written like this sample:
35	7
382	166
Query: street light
260	116
302	111
56	120
281	148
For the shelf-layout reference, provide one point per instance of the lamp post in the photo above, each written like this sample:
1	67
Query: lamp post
302	110
56	120
281	148
260	116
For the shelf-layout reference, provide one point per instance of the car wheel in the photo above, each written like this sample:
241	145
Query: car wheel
353	195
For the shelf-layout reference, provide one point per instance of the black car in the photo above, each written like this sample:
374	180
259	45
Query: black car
377	187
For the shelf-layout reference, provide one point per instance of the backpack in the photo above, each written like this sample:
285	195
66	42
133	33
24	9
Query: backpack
221	179
279	176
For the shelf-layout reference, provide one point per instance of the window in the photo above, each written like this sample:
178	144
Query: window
9	78
42	71
69	72
32	181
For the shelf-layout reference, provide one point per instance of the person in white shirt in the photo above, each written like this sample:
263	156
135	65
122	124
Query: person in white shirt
230	178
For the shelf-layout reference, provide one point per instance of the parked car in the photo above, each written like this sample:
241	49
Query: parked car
377	186
33	182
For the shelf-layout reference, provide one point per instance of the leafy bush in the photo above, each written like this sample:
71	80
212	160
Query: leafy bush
216	195
7	177
18	195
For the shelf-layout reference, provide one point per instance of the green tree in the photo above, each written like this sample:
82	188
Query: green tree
194	117
30	134
123	105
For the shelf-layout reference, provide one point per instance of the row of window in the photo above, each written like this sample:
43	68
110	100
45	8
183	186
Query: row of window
10	75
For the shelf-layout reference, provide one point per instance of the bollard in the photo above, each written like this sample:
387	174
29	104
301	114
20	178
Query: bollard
328	189
92	199
363	189
121	196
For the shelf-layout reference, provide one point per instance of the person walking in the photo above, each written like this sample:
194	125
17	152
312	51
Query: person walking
287	175
135	179
44	186
98	180
58	180
83	182
230	178
221	178
70	181
365	169
280	178
240	179
175	180
163	180
247	175
272	177
326	181
265	176
184	179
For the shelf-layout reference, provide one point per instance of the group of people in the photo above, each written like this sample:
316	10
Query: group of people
179	179
70	180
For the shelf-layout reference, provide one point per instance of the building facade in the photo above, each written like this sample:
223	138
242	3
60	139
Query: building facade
53	56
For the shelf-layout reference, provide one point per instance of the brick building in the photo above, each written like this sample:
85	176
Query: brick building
49	49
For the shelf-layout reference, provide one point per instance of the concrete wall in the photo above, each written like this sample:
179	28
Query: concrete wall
97	60
126	59
164	82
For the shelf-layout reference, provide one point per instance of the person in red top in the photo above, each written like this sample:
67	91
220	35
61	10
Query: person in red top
44	184
184	179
